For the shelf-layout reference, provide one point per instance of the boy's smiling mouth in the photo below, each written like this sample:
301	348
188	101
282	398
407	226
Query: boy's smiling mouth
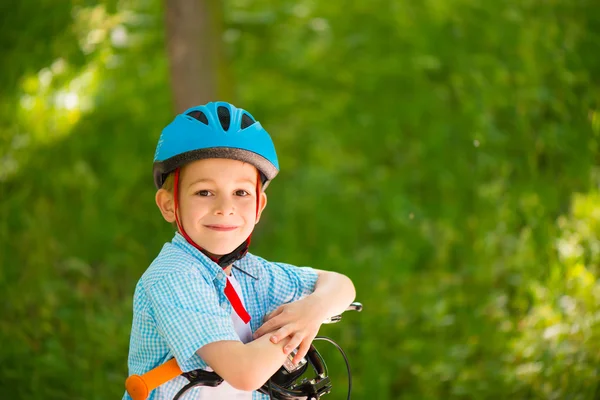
221	228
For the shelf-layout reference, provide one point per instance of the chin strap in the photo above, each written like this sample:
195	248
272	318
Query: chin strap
223	261
237	254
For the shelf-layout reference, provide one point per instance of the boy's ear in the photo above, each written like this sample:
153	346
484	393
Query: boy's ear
164	201
262	203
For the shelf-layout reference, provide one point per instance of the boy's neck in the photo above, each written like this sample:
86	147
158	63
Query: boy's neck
227	269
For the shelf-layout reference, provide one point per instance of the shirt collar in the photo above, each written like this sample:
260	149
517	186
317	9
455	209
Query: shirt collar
212	267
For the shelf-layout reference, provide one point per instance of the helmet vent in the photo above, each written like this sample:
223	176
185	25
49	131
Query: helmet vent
224	117
246	121
199	115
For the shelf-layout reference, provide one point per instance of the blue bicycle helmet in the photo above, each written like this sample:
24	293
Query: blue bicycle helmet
214	130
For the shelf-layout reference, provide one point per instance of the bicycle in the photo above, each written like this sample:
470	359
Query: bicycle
285	384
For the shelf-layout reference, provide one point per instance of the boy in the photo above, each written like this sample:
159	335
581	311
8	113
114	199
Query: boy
204	299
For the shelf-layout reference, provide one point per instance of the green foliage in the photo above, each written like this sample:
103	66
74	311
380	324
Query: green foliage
441	153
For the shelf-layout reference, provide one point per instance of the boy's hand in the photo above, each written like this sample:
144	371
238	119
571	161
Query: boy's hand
301	320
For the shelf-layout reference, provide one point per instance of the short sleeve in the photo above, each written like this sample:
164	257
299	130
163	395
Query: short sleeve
188	316
290	283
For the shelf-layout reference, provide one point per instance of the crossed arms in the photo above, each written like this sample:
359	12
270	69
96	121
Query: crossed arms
248	366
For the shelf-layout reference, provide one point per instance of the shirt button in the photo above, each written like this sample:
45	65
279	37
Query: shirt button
220	275
224	305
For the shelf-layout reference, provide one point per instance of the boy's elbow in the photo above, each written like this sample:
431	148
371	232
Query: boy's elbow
244	375
248	381
230	360
246	386
347	284
352	288
241	366
240	383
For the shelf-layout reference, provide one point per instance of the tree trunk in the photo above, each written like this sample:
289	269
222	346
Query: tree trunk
199	73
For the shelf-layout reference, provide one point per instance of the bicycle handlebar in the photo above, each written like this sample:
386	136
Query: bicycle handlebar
139	387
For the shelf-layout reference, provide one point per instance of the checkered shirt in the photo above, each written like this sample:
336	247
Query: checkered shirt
179	306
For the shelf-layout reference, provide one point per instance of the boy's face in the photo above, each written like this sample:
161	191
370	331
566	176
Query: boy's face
217	203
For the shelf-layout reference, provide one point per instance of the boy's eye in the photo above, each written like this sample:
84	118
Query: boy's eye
203	193
241	193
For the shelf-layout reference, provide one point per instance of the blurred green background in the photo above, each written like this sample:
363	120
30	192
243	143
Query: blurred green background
442	153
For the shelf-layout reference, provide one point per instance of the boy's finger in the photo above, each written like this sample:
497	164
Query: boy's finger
260	331
267	327
295	342
283	332
302	350
275	313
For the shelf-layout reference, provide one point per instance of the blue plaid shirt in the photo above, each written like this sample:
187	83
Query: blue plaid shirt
179	306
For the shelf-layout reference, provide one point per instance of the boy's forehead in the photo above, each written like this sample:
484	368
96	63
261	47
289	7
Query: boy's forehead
219	169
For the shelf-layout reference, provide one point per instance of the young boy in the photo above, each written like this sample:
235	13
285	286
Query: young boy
205	300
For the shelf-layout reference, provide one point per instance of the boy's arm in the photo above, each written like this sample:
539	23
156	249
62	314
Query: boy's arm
248	366
301	320
335	292
245	366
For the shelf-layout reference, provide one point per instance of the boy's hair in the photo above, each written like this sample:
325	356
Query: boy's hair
169	182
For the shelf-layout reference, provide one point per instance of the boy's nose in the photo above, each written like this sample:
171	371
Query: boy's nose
224	207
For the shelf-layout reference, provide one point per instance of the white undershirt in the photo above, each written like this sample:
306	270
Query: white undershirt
241	328
225	391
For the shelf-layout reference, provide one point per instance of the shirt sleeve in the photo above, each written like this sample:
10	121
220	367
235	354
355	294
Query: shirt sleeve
290	283
188	316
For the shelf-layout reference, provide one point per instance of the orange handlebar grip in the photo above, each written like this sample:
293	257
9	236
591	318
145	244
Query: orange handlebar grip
136	387
139	387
